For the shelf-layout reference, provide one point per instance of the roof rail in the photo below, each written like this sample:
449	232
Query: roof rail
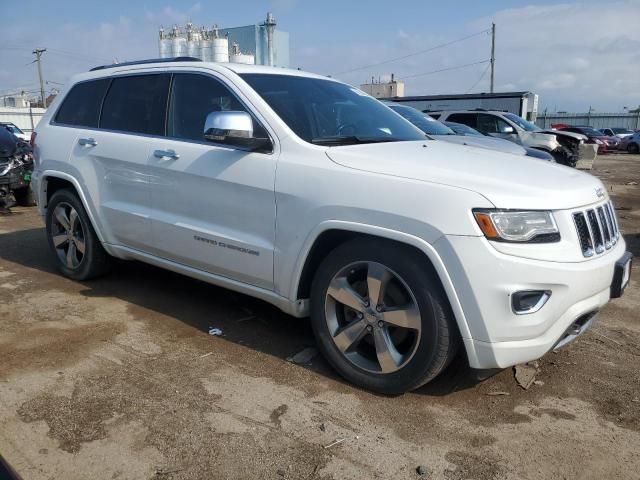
150	60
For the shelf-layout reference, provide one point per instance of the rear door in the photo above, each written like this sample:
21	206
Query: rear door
469	119
116	156
213	205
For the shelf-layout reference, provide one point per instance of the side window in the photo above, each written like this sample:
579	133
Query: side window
468	119
492	124
195	96
435	116
136	104
81	106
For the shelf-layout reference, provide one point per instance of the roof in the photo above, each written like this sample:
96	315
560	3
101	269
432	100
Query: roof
467	96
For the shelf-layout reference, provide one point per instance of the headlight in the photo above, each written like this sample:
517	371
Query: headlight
599	142
518	226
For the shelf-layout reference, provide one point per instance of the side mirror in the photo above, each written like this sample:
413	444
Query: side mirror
507	129
233	128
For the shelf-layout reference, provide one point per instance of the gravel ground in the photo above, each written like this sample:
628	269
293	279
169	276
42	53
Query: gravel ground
119	379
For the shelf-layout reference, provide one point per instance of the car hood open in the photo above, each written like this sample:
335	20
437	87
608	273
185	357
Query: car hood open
506	180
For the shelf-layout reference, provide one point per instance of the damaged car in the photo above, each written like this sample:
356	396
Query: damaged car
16	166
563	146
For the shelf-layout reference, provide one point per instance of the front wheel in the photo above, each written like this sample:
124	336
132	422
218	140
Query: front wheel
633	148
381	317
78	252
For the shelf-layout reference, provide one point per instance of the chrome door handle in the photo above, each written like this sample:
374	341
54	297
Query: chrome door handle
87	142
166	154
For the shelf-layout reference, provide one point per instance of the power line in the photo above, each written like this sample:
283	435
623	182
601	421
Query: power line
484	72
430	49
443	70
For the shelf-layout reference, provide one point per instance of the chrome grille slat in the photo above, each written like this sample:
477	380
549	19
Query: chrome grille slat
605	229
597	229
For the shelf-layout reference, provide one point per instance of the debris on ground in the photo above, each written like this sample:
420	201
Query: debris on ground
495	394
525	375
216	332
421	470
206	355
334	443
323	427
304	357
538	383
632	183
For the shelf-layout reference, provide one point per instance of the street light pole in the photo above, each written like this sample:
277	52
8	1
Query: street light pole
38	53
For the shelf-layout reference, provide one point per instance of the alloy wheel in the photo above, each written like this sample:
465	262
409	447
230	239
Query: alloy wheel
68	235
373	317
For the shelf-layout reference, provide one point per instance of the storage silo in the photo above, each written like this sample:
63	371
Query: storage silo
238	57
164	44
220	46
178	43
206	53
193	42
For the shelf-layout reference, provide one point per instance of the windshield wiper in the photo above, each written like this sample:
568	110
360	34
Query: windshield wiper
349	140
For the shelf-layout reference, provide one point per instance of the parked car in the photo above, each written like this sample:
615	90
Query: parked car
440	131
311	195
631	143
616	132
604	142
564	146
15	130
16	165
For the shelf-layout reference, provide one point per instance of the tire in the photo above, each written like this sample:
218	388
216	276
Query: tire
633	148
24	197
70	231
369	347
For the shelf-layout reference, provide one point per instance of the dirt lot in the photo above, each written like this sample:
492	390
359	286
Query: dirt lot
119	379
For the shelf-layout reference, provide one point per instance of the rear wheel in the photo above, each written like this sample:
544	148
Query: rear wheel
381	317
633	148
77	249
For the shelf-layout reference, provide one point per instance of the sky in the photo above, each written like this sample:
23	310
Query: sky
575	55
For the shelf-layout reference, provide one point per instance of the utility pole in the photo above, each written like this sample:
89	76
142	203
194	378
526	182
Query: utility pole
38	53
493	53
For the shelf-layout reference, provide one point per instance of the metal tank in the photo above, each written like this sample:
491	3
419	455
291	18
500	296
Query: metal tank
164	44
219	46
178	43
193	42
206	53
238	57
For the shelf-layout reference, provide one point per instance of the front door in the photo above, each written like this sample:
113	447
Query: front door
213	205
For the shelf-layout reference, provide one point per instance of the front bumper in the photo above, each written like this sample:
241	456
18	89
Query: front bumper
485	280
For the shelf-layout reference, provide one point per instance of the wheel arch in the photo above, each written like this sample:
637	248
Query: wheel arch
329	235
51	182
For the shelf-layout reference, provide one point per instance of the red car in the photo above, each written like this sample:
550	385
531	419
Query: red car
605	143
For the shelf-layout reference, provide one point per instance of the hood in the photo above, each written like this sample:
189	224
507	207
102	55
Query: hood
483	142
577	136
505	180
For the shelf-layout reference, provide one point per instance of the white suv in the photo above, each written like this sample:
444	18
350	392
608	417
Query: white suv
562	145
313	196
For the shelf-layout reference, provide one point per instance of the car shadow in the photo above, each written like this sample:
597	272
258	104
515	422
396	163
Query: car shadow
244	320
633	243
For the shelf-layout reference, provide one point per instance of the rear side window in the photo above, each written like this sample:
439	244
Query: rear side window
464	118
136	104
81	106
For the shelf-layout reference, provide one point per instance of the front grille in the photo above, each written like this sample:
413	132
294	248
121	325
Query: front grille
597	229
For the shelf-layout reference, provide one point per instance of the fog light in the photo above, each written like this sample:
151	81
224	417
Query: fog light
529	301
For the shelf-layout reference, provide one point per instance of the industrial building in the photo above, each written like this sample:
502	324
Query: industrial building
261	44
524	104
390	89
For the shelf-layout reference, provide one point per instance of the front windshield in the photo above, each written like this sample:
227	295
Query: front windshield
592	132
522	123
331	113
421	120
621	130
